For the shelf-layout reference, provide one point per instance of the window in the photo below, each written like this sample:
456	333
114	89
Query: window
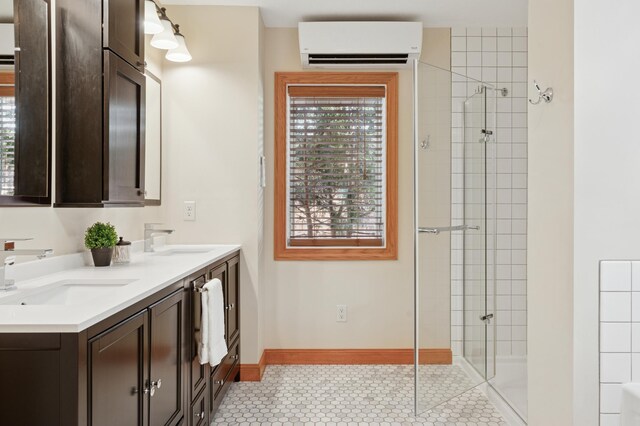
336	166
7	133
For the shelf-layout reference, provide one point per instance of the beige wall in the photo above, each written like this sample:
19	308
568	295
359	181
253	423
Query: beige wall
550	225
300	298
434	189
212	127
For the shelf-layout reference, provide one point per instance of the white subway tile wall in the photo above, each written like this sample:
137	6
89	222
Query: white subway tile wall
497	56
619	333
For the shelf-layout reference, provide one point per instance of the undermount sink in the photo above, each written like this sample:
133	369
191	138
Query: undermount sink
183	251
68	292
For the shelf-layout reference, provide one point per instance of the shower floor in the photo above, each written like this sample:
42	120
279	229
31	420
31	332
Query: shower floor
351	394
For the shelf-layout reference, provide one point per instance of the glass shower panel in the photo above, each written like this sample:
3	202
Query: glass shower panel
451	293
478	240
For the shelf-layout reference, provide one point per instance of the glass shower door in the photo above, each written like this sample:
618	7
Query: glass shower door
454	186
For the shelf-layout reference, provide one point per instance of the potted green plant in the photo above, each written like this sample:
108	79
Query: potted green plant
101	238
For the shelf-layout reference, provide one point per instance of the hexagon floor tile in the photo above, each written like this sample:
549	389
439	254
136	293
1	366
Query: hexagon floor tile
355	395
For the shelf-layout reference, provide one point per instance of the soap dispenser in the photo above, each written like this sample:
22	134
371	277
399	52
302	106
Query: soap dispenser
122	252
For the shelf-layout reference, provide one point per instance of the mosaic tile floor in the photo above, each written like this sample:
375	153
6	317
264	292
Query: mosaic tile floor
354	395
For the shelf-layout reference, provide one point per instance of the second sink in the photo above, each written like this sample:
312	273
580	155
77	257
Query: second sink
68	292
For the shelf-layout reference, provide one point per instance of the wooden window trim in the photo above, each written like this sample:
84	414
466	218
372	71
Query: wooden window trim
282	81
7	78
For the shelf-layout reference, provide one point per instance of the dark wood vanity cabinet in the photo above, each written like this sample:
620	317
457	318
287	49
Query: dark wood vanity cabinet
138	364
100	110
166	321
209	385
118	374
138	367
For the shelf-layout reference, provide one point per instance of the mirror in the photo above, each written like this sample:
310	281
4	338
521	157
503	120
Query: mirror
24	102
153	140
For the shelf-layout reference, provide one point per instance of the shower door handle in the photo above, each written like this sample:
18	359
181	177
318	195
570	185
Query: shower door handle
440	229
486	318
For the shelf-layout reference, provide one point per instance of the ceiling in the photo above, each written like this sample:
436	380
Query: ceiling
433	13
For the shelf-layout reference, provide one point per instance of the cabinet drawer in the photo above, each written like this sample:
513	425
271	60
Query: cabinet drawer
199	412
220	378
219	375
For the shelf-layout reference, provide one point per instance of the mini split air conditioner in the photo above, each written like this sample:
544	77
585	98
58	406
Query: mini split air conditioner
359	44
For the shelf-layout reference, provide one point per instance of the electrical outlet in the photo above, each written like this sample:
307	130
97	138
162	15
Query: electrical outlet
189	212
341	313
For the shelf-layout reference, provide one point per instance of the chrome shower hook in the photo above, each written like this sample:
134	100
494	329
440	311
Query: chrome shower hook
547	95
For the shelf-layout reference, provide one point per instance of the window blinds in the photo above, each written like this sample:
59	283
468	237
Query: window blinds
7	144
336	166
7	133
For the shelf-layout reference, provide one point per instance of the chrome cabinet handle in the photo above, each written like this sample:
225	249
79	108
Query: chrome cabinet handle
219	382
199	415
154	386
230	306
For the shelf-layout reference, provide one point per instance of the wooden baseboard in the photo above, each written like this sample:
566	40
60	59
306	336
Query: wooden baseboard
356	356
253	372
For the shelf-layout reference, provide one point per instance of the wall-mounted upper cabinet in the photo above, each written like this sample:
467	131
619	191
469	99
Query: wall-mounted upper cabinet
124	30
100	149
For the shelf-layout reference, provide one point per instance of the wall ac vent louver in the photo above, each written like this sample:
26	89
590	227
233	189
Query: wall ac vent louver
359	44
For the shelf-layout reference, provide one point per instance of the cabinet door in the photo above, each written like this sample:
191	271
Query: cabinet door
124	30
123	132
232	300
199	372
165	323
118	374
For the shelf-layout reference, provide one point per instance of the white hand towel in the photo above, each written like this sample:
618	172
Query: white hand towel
213	347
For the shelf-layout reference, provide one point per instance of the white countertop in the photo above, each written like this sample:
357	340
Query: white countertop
149	272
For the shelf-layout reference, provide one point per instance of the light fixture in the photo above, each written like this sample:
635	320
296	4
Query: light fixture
180	53
152	24
165	39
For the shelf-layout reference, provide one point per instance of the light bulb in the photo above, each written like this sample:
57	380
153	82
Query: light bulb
152	24
180	53
166	39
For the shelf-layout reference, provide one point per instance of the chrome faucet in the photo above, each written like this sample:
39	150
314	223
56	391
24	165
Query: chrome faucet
149	231
8	245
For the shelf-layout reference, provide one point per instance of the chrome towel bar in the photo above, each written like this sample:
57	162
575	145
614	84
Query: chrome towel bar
440	229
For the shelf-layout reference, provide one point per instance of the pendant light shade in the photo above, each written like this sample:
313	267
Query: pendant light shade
152	24
180	53
165	39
